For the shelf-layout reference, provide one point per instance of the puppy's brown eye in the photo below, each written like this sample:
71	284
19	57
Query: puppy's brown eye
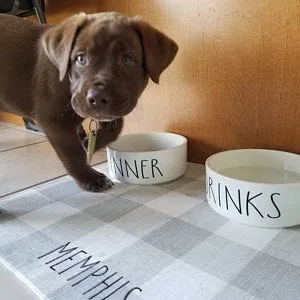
81	59
127	60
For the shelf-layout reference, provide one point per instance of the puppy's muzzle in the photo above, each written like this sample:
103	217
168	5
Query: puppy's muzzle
105	101
98	99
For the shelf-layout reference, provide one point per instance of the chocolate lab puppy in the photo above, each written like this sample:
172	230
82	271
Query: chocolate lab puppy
93	65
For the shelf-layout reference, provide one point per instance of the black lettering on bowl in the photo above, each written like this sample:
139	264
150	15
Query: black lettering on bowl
243	201
136	168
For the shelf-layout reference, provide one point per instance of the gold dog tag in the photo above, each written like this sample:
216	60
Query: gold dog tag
92	140
91	145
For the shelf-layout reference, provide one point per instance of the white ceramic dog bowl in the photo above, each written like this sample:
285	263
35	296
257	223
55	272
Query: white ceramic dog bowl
255	187
148	158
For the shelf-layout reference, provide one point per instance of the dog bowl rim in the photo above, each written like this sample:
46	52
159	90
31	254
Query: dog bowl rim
182	143
284	153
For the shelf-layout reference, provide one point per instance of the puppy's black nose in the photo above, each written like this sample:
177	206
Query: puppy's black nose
95	97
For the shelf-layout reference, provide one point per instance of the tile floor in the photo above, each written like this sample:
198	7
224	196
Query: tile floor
26	159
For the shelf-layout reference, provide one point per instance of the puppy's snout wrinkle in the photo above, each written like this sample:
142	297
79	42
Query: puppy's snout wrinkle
99	83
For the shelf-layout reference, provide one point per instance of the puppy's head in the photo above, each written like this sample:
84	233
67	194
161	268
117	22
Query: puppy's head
108	59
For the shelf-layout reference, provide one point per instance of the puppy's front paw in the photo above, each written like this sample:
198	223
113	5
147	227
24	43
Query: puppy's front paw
97	184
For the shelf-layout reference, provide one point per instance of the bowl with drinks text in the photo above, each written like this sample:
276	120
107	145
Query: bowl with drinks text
257	187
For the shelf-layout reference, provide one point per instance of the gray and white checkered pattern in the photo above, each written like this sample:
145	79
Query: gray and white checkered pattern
146	242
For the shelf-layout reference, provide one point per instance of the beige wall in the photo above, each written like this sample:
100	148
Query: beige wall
236	79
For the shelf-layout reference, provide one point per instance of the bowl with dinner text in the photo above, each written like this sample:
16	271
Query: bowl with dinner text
147	158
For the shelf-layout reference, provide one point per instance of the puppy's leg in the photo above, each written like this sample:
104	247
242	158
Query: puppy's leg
107	133
67	145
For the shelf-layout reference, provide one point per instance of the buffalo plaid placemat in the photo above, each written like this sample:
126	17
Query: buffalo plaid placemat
143	242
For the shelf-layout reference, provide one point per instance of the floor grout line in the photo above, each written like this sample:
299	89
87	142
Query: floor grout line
8	125
21	128
43	182
11	149
31	186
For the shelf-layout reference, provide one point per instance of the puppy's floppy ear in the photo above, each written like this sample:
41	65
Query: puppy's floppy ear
58	40
159	49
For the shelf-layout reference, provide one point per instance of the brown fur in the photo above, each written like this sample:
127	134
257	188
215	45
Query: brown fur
44	78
